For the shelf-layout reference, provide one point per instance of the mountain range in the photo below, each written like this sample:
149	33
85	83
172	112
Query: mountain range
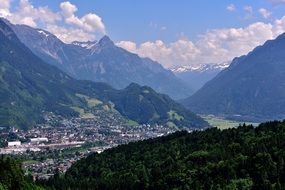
251	88
29	86
101	61
196	76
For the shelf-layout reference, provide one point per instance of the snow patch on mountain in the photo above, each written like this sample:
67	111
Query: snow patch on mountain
43	33
200	68
86	45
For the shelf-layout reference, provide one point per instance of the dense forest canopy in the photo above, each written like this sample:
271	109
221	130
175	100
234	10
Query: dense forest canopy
12	176
241	158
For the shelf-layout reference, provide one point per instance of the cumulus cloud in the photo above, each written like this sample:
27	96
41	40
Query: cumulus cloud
214	46
27	14
231	8
167	54
64	24
4	8
68	9
90	22
264	12
128	45
5	3
70	34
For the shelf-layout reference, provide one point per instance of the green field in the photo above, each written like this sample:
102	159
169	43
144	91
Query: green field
131	123
223	123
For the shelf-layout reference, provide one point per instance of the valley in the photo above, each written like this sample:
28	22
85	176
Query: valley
142	95
223	123
57	143
66	141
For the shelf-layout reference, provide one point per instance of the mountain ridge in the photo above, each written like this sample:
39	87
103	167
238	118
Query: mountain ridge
103	62
29	86
251	88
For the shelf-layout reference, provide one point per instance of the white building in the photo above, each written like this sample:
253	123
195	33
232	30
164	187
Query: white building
38	140
14	143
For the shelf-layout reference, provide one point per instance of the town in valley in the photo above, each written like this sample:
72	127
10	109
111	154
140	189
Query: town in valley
57	143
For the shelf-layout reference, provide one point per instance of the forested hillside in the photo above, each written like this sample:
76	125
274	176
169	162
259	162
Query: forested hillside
12	176
242	158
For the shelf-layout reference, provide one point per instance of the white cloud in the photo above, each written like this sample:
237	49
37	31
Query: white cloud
5	3
248	12
68	9
70	34
180	51
89	22
64	24
264	13
27	14
128	45
248	9
231	8
4	8
214	46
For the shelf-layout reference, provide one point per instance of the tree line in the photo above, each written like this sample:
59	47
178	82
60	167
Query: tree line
240	158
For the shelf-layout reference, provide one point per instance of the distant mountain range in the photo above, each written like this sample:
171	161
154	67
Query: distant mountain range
29	86
252	88
196	76
101	61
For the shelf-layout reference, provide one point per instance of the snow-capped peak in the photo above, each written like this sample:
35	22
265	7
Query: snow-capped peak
43	33
200	68
87	45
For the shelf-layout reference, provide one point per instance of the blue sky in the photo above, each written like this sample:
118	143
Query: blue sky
145	20
174	33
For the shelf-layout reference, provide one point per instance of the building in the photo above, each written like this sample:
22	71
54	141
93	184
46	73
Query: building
14	143
38	140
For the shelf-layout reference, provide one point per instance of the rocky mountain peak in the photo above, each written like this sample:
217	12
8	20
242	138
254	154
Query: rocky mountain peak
105	41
